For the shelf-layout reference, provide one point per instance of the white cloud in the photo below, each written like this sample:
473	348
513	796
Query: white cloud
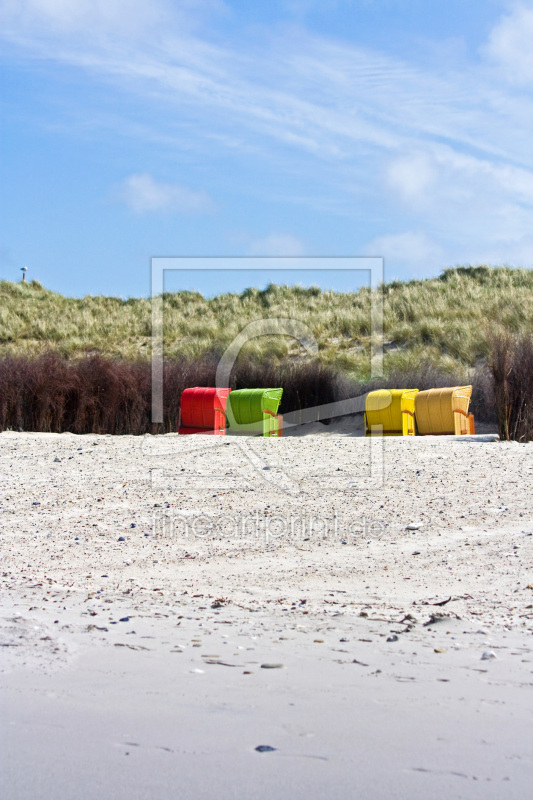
143	194
317	96
510	252
411	177
121	18
276	244
510	44
412	249
453	148
91	16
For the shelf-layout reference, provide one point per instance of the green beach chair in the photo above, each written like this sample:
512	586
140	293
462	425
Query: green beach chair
255	412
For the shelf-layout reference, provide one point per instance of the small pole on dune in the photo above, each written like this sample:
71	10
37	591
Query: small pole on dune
24	270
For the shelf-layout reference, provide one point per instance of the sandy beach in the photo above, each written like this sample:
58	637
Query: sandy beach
170	604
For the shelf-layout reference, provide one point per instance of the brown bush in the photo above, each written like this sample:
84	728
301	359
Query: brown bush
92	395
99	395
511	365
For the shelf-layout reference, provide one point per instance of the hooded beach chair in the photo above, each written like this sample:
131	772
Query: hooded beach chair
255	411
390	412
444	411
202	410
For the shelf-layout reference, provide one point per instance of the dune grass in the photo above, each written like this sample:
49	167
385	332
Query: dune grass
447	321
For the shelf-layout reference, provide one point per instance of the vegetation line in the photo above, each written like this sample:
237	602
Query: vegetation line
83	365
446	321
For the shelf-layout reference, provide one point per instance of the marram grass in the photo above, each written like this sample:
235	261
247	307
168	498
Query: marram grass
447	321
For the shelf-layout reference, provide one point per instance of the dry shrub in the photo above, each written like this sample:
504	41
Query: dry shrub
305	384
511	364
33	393
100	395
92	395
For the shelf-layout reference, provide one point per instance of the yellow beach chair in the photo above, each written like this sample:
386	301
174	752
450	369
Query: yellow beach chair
444	411
391	412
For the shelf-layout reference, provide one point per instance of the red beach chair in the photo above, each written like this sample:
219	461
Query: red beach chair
202	410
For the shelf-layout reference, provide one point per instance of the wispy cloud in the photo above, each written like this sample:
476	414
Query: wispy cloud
97	18
510	44
412	177
310	93
144	195
447	156
412	249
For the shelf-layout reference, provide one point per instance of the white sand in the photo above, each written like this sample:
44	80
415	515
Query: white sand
245	552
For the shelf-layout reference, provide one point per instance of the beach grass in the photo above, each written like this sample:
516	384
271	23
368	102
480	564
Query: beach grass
446	321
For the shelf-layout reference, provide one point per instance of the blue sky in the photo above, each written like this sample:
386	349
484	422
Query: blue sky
133	129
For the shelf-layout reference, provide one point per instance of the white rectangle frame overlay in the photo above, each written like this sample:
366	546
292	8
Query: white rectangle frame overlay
161	265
